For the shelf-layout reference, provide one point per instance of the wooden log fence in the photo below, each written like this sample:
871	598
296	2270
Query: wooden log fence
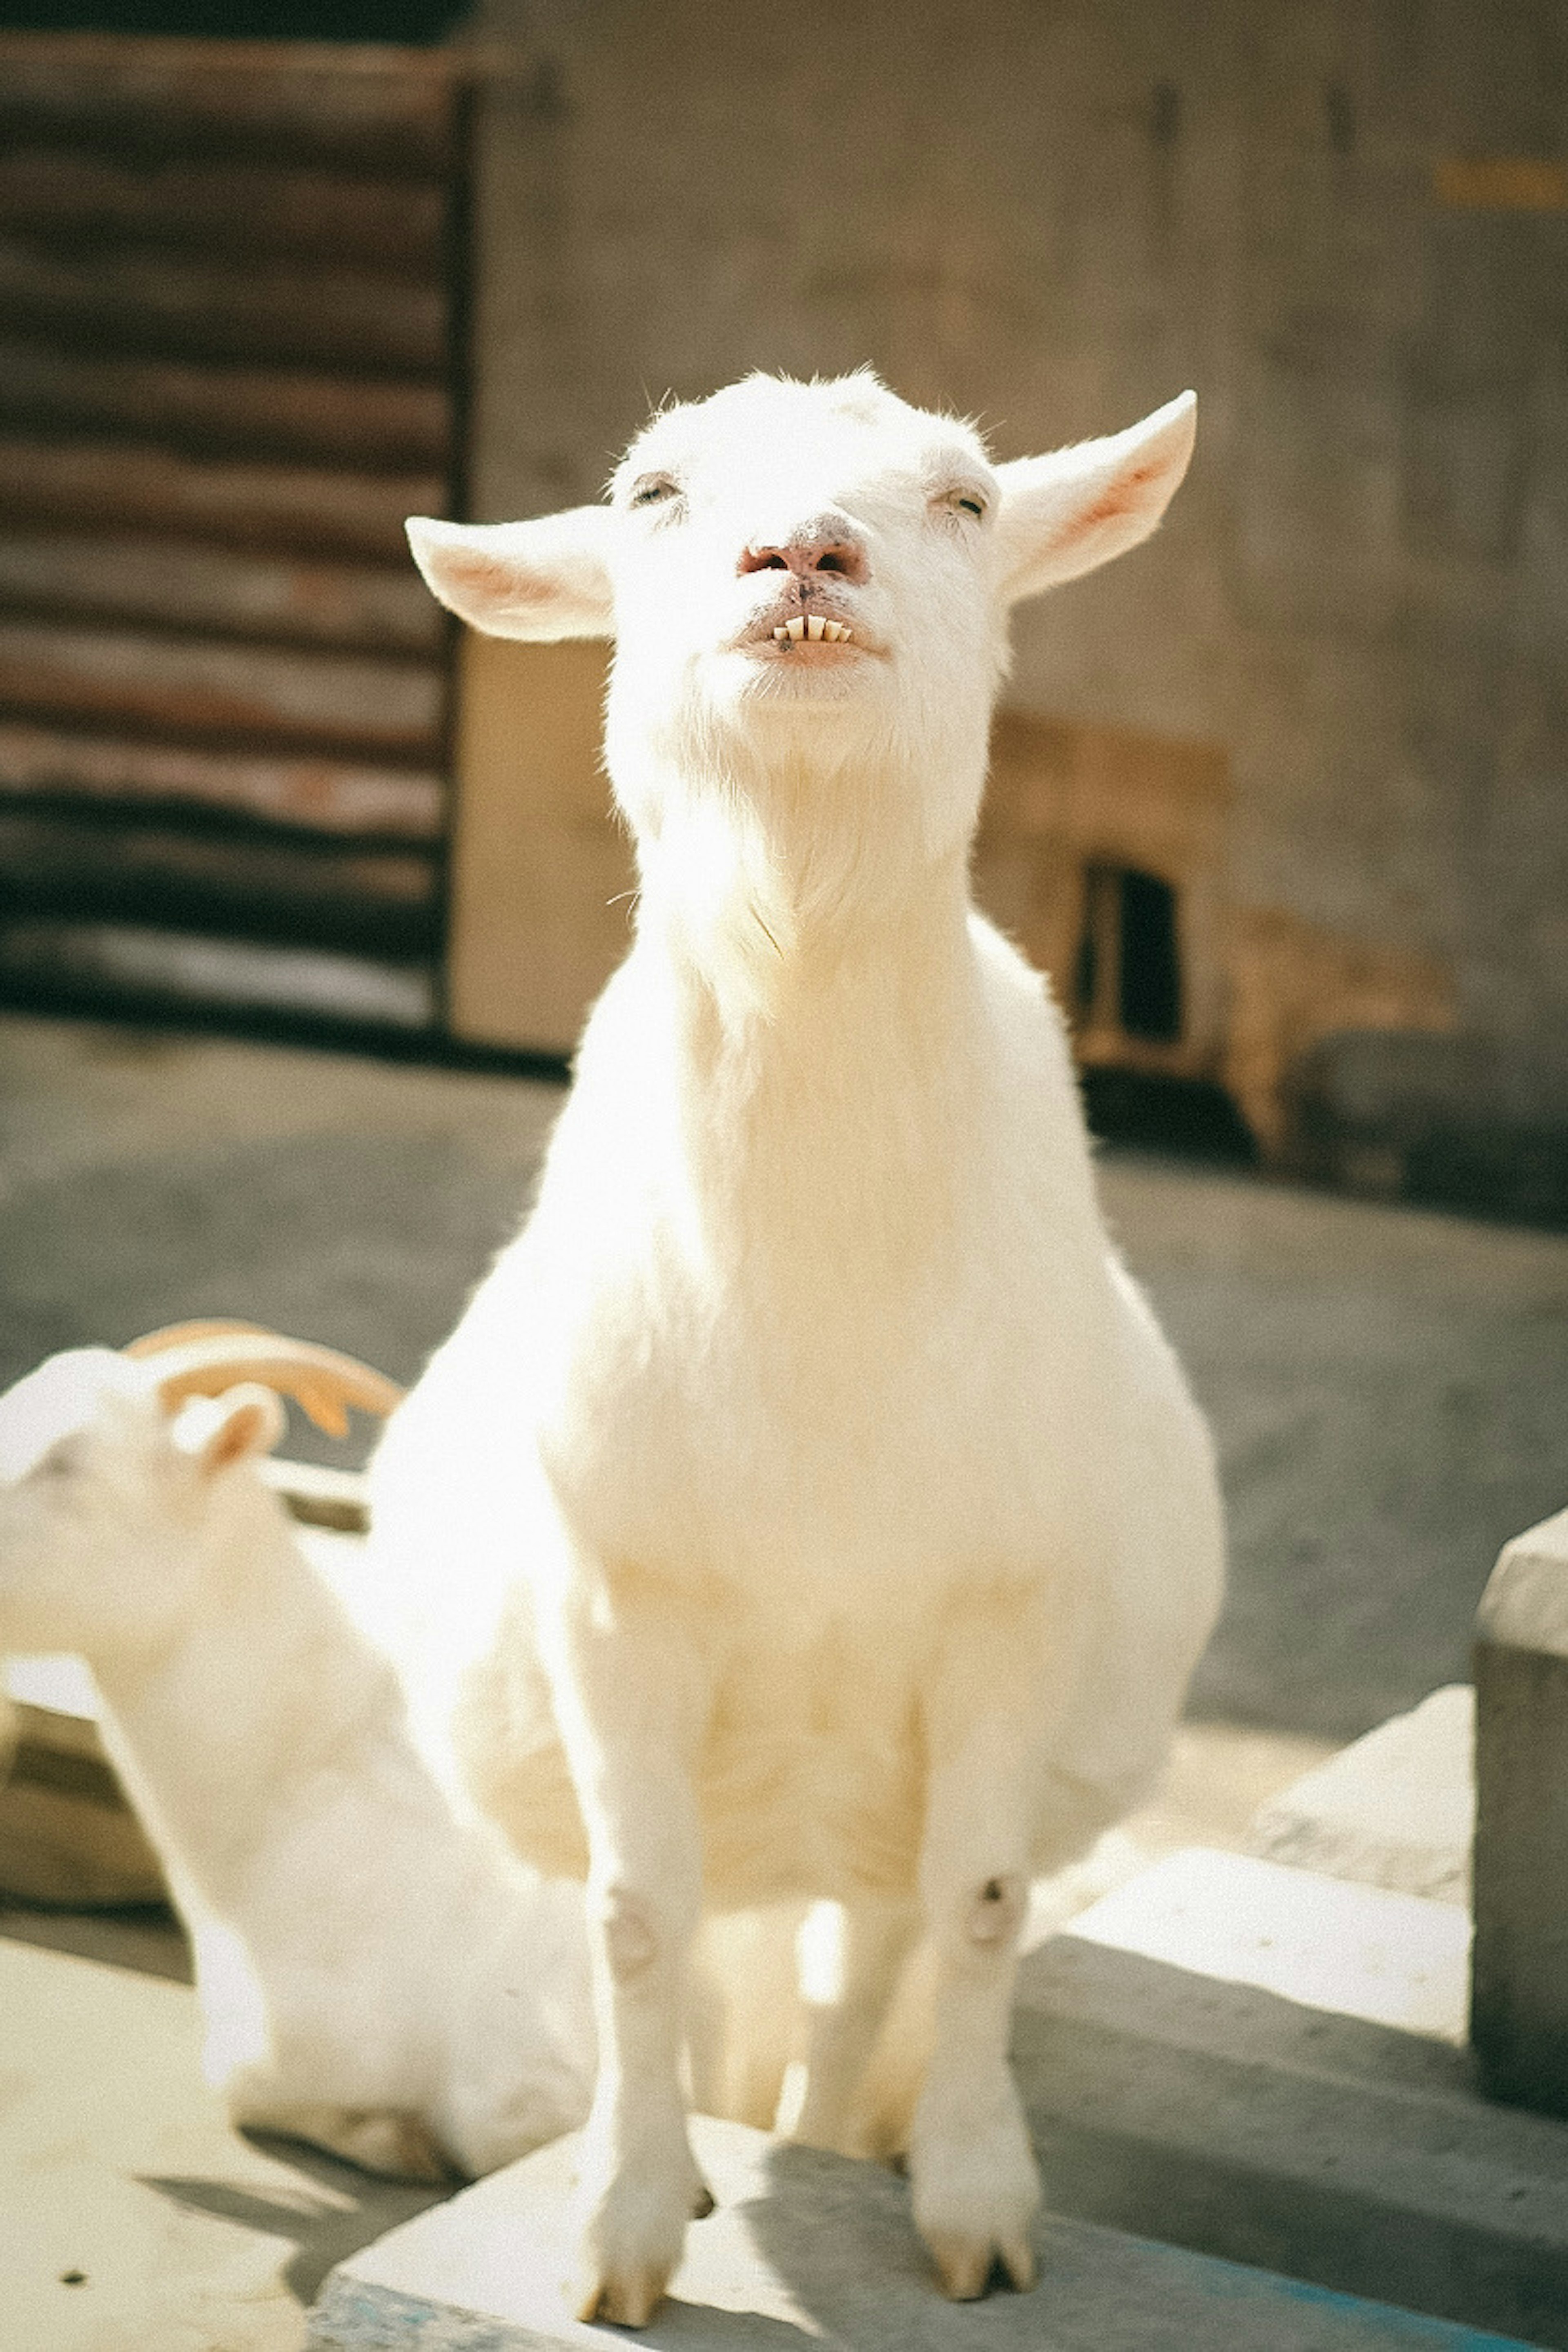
365	424
313	793
200	688
321	893
319	510
373	109
282	312
231	288
86	201
375	608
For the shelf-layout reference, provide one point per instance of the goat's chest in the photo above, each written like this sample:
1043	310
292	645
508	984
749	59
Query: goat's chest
821	1432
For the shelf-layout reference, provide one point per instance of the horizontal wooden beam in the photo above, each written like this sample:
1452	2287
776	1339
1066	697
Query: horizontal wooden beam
104	964
195	688
64	195
317	795
75	869
389	110
116	483
289	315
374	427
373	608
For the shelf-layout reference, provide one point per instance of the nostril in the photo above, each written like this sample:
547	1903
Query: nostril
764	559
845	557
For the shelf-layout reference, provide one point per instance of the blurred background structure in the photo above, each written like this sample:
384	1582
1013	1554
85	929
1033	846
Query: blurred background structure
1279	801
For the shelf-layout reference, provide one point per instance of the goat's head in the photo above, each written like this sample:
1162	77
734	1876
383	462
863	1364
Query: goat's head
114	1474
810	580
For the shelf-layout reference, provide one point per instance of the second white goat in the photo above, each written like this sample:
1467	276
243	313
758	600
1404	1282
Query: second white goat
372	1977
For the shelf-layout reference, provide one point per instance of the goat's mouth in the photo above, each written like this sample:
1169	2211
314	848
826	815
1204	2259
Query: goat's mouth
796	632
812	629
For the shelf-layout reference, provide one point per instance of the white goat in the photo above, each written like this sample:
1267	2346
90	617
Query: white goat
371	1976
807	1505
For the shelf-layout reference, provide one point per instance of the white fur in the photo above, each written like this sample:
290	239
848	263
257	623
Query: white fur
807	1504
370	1976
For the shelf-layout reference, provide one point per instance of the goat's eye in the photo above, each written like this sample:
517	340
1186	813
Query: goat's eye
653	489
969	503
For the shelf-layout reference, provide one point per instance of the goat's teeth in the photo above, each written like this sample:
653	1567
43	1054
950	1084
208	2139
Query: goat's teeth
815	628
835	633
795	630
781	635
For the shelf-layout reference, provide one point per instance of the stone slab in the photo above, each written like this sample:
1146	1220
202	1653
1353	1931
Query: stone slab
1221	2056
1395	1808
1323	1943
809	2247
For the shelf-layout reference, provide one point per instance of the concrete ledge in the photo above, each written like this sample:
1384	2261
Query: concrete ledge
811	2248
1196	2069
1520	2005
1395	1809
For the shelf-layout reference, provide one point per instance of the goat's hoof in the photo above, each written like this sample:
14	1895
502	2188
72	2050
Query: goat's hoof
975	2193
628	2301
632	2242
968	2271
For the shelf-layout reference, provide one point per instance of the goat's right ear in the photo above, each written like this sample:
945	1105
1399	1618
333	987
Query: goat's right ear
540	581
218	1432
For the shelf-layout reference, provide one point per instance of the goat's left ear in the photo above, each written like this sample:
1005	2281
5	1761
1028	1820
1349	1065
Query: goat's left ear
218	1432
540	581
1074	509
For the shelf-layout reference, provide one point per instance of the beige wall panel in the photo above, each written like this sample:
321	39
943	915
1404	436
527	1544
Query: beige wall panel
541	871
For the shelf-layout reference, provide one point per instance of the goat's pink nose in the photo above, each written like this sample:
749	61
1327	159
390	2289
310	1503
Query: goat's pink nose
829	547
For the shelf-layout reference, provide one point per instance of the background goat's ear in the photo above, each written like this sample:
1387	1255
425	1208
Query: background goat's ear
220	1431
541	580
1066	512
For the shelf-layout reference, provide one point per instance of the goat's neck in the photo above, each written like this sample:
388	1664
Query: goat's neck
798	905
822	1013
227	1729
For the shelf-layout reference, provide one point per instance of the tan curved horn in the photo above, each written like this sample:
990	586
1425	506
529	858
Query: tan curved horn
180	1335
320	1378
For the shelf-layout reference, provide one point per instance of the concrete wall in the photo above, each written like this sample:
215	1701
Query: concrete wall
1054	217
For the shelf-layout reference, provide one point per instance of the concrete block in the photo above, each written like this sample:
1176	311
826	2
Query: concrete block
1395	1810
1323	1943
805	2246
1520	1987
1221	2056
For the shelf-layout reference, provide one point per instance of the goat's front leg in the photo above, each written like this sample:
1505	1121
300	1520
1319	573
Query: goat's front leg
630	1700
972	2173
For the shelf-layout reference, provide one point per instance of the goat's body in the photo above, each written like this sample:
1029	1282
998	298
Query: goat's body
820	1513
372	1975
819	1342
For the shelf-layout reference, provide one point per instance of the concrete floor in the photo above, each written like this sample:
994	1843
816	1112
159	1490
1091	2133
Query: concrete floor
1387	1390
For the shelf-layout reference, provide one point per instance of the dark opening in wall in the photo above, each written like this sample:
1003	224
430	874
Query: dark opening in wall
1128	973
1151	989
